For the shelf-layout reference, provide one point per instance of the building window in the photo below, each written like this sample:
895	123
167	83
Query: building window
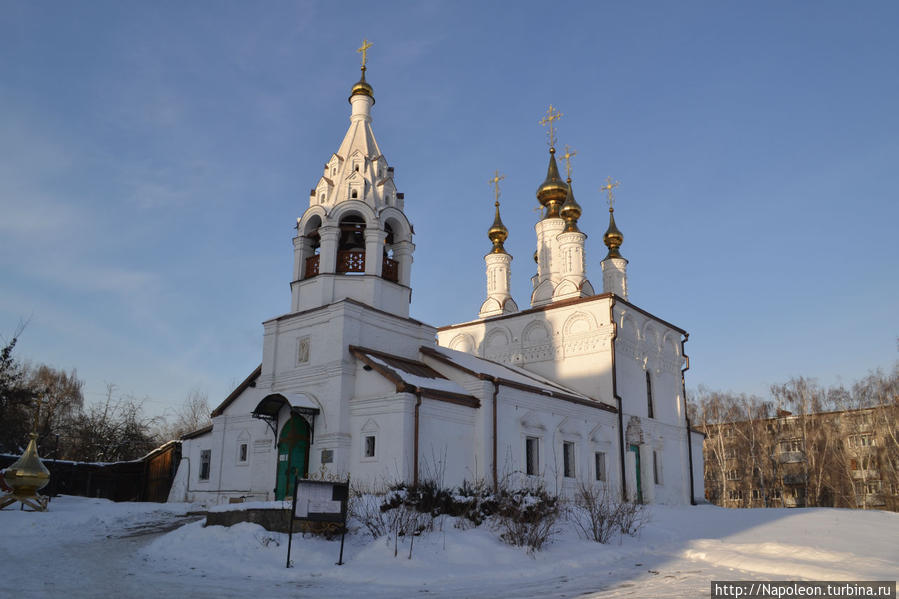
733	475
243	452
600	459
355	194
791	445
205	462
861	441
568	459
369	446
756	494
656	468
531	450
649	410
735	494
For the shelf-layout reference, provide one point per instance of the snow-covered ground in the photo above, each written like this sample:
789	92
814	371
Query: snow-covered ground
97	548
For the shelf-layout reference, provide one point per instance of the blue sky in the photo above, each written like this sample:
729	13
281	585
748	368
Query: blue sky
154	158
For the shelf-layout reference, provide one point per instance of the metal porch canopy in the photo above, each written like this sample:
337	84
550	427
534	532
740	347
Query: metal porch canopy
269	406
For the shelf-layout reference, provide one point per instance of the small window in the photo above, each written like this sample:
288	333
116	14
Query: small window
568	459
356	168
205	463
649	410
600	459
532	460
656	468
355	194
242	452
369	446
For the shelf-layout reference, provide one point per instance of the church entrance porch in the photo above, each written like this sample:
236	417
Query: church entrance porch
293	454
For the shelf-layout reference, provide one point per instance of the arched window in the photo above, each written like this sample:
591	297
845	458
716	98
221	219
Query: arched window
390	267
351	245
311	254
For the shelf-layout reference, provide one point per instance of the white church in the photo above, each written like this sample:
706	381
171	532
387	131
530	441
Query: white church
579	387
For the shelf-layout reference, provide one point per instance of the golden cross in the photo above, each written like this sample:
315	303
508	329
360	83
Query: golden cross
540	209
364	49
551	115
495	183
608	187
567	156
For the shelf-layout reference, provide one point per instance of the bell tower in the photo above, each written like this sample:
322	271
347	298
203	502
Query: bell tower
354	240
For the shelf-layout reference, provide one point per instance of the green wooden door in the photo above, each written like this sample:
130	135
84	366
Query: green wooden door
636	450
293	453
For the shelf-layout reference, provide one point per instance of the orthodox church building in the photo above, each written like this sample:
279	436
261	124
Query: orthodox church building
579	387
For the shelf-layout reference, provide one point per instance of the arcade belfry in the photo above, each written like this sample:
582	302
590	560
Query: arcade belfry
579	387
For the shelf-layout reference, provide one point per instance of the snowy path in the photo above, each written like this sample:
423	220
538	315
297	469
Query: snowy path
95	548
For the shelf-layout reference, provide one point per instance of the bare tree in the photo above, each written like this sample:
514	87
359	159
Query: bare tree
61	397
193	414
113	430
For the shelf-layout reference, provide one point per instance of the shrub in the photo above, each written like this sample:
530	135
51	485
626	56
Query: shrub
598	516
365	508
527	517
523	517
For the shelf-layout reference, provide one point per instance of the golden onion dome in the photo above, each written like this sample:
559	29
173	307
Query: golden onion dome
570	211
28	474
553	191
498	233
362	88
613	237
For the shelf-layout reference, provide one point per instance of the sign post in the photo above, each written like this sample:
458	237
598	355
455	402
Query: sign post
319	501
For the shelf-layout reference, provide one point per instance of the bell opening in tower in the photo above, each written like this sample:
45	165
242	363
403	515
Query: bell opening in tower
390	268
312	251
351	245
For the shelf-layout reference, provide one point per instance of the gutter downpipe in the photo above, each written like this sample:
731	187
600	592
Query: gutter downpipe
495	395
415	439
618	399
687	418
